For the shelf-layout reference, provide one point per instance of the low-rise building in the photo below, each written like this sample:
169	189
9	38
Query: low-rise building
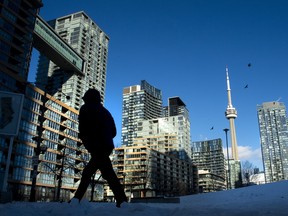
146	172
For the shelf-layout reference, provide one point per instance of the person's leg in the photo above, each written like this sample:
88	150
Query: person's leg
87	173
109	175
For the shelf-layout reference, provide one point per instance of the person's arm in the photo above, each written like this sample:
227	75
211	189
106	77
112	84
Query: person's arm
113	128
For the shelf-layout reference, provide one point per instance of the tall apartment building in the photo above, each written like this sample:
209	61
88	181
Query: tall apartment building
91	43
209	158
17	20
144	118
140	102
272	119
175	107
158	134
178	115
48	130
16	26
166	135
146	124
62	156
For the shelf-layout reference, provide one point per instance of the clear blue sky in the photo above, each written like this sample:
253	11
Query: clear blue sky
183	46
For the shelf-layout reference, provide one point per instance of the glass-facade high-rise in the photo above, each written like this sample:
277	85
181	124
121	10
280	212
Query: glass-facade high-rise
62	155
16	35
48	131
176	107
166	135
91	43
144	119
17	19
272	119
140	102
208	156
147	126
177	114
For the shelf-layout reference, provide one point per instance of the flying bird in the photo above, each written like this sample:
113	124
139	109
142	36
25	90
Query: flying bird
211	128
246	86
249	64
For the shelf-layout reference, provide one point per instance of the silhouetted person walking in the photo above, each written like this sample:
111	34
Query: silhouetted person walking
97	130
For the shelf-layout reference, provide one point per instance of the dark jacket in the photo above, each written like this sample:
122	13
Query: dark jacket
96	125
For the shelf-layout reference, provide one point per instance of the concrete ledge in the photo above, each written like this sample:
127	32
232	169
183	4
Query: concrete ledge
156	200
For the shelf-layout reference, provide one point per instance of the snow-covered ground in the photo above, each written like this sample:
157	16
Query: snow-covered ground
259	200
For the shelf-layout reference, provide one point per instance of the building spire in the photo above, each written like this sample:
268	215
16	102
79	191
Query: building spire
228	90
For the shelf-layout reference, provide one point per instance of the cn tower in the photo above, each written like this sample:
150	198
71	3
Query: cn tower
231	114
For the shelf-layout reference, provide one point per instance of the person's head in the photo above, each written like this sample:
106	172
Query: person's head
92	95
